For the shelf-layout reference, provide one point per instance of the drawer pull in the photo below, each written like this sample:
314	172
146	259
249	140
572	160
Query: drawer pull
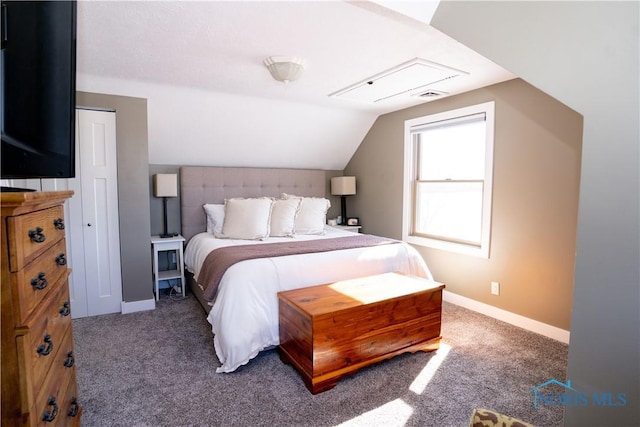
73	409
39	282
37	235
51	414
70	360
61	259
46	347
58	223
65	310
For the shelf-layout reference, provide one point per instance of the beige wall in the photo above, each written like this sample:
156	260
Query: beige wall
133	190
535	200
586	54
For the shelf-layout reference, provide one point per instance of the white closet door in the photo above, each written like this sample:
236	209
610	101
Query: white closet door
98	200
91	216
75	246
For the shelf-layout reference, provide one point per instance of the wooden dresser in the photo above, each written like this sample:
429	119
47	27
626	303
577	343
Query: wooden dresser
329	331
38	369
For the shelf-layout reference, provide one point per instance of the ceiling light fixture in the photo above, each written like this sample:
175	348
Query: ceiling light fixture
284	68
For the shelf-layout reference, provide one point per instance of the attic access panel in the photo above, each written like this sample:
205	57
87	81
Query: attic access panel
407	78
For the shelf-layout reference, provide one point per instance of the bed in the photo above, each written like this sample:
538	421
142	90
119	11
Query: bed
241	303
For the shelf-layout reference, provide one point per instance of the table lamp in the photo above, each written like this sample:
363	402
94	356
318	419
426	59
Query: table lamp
165	185
343	186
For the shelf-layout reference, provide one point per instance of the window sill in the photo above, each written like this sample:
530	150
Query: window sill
480	252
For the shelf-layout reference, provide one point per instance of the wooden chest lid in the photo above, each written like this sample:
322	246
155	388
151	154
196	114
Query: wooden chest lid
323	299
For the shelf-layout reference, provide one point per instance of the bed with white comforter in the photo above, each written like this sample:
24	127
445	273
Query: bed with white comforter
244	313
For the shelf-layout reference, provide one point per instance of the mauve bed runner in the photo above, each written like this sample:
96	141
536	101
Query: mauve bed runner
219	260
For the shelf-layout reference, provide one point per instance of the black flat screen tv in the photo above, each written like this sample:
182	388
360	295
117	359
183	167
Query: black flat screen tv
38	89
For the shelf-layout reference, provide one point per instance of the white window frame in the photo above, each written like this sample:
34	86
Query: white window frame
410	173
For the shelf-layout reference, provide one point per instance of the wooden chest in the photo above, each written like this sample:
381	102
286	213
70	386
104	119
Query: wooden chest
39	384
332	330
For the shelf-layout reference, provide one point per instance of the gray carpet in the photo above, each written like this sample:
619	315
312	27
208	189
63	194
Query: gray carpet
157	368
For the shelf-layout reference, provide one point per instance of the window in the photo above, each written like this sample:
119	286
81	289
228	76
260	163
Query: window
447	186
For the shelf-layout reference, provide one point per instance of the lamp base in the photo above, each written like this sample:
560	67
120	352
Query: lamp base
165	234
343	209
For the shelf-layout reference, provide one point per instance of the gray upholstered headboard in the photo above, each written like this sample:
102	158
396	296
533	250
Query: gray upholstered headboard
213	184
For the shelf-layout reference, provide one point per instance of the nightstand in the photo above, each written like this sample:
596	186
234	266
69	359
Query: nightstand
352	228
173	244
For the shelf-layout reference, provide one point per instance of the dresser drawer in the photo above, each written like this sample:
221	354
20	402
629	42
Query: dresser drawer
39	278
33	233
61	385
63	359
53	401
46	337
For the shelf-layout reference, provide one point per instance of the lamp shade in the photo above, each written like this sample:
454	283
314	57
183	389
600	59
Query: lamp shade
165	185
343	185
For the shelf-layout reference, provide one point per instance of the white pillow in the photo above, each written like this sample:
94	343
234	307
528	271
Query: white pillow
246	218
312	214
283	217
215	217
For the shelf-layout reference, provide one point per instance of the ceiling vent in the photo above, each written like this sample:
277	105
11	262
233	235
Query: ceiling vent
430	93
410	78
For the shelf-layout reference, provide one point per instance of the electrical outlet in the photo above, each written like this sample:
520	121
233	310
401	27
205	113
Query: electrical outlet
173	257
495	288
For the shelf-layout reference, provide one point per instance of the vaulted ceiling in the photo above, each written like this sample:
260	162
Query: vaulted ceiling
212	101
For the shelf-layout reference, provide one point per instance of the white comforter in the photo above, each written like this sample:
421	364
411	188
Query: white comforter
244	315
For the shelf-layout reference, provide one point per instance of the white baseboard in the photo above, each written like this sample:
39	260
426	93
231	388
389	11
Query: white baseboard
132	307
508	317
